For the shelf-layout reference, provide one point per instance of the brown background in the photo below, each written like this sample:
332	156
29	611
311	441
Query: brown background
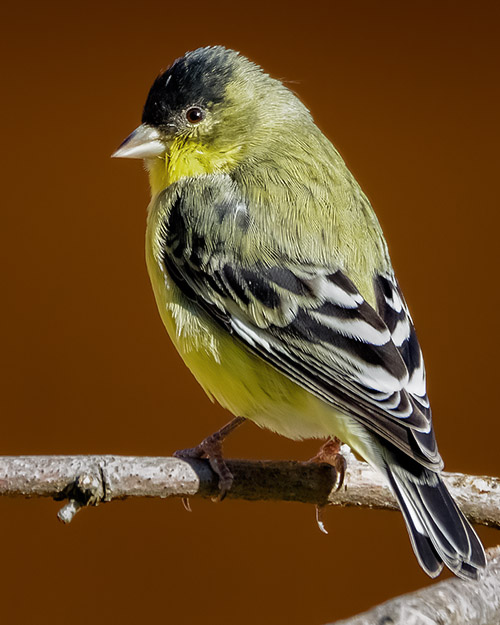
409	92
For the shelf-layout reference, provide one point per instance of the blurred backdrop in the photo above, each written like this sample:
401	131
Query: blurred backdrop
409	93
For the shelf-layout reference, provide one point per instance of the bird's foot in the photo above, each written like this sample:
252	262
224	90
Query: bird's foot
211	448
329	453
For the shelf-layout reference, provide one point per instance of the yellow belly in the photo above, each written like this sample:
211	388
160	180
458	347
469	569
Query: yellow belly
240	381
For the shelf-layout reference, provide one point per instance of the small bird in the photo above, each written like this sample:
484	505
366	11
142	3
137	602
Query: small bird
273	279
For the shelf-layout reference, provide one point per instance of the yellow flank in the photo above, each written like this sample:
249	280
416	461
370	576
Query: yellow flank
187	158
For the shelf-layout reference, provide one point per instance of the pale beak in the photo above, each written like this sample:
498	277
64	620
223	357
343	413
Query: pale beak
144	142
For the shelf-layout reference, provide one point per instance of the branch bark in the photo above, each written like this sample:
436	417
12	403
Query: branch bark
91	480
452	602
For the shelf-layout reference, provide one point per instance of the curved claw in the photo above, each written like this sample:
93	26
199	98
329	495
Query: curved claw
211	448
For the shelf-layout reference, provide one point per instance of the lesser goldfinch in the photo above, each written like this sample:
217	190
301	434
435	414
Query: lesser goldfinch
273	279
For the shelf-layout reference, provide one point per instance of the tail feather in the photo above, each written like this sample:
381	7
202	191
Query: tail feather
438	531
427	555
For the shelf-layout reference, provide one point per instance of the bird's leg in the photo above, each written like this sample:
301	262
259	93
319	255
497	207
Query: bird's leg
211	448
330	453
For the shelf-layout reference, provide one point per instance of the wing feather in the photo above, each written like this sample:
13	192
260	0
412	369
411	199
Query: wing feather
313	324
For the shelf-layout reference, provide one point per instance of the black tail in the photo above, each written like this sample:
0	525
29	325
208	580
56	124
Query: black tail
439	532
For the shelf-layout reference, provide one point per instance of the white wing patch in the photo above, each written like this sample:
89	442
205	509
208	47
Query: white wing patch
324	289
251	336
357	329
401	332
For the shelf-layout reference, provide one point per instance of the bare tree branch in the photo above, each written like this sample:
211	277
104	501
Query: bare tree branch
90	480
452	602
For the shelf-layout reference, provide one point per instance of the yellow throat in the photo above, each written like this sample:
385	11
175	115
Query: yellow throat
188	158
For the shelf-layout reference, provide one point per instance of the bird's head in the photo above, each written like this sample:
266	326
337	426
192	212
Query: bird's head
206	113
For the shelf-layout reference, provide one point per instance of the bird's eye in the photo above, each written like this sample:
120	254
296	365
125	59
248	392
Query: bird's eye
195	115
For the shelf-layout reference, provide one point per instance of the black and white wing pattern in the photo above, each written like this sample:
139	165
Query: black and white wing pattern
392	308
313	325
